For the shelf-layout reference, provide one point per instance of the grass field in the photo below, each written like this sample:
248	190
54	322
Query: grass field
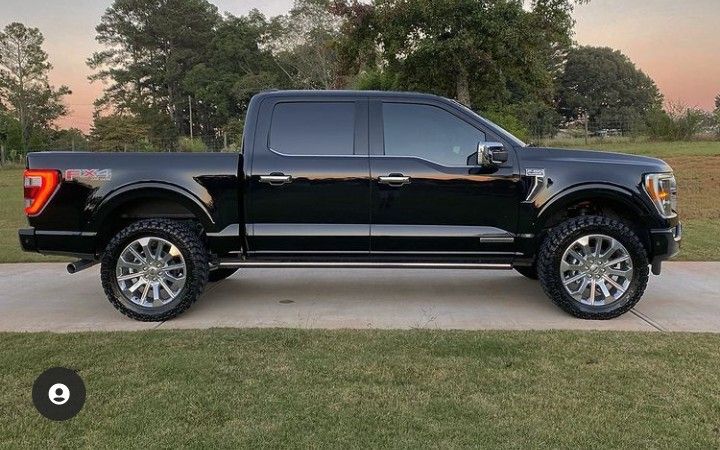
696	165
12	218
295	388
642	146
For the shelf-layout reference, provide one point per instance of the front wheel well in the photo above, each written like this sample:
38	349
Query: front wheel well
604	207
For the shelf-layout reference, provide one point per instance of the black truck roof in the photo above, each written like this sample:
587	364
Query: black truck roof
347	93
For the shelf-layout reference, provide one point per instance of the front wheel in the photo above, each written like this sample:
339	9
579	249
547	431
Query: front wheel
154	269
593	267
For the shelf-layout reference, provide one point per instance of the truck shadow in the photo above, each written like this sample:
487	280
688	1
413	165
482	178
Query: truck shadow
338	285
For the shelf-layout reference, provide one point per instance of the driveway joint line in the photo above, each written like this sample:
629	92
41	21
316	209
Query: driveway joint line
648	320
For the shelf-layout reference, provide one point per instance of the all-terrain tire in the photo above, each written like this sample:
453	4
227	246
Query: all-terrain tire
528	271
181	234
220	274
562	236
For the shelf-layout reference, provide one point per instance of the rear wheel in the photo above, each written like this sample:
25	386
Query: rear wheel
593	267
154	269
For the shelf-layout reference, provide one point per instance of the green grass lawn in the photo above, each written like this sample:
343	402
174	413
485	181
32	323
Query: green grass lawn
295	388
12	217
696	164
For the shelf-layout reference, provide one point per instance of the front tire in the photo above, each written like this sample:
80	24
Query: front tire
593	267
154	269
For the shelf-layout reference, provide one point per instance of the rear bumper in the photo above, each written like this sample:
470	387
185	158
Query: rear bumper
665	245
70	243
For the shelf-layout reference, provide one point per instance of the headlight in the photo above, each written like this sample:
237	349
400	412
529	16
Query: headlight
662	190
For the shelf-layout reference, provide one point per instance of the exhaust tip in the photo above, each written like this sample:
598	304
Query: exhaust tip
77	266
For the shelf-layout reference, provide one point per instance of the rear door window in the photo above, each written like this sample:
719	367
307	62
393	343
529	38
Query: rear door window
313	128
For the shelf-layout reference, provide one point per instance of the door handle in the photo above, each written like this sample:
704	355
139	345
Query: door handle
394	180
276	179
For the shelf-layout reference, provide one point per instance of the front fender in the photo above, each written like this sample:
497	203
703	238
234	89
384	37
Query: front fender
630	201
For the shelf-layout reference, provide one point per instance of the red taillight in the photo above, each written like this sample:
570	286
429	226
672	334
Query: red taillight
39	186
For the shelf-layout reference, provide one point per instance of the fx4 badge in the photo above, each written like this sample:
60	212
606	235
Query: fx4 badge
535	172
88	174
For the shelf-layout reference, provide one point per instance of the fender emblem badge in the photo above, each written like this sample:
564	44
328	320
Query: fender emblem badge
535	172
88	174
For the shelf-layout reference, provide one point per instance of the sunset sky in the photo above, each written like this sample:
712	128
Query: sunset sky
675	42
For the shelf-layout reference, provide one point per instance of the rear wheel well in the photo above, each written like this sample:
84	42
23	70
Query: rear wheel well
141	208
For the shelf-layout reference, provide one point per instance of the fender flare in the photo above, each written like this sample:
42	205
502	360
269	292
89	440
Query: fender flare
578	193
157	190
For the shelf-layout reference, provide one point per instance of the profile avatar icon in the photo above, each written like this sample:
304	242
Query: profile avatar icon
59	394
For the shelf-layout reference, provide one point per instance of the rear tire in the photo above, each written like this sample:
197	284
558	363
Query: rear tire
220	274
154	269
563	242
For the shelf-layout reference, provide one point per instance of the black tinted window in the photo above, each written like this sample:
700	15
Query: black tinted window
313	128
429	132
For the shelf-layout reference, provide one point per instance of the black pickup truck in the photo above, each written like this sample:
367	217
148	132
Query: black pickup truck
340	179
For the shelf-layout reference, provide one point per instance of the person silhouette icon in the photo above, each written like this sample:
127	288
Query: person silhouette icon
59	394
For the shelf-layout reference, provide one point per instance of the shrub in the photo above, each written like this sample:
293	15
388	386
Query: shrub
191	145
377	80
509	122
677	123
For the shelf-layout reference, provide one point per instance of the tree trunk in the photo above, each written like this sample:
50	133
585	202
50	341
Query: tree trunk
24	130
2	154
463	86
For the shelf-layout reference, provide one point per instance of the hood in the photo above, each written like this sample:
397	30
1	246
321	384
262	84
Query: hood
590	157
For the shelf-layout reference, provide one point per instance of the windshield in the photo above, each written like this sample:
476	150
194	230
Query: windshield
497	128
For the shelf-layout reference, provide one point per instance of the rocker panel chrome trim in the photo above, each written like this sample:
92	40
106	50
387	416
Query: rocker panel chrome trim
361	265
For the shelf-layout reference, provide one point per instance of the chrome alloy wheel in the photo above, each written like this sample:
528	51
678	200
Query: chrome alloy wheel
151	272
596	270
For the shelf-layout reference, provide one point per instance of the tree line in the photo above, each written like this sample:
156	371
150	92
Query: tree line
163	61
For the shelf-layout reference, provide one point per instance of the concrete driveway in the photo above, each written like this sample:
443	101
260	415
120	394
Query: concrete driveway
43	297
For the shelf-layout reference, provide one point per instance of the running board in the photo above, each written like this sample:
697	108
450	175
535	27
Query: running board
235	264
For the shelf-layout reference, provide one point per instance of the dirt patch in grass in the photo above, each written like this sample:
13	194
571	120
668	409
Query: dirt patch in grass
698	186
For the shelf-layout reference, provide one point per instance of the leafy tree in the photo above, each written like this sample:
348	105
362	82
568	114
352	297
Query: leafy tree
118	132
715	120
24	85
67	139
236	68
606	85
304	44
10	131
150	47
485	53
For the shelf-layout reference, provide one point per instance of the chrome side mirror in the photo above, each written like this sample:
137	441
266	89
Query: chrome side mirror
491	154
